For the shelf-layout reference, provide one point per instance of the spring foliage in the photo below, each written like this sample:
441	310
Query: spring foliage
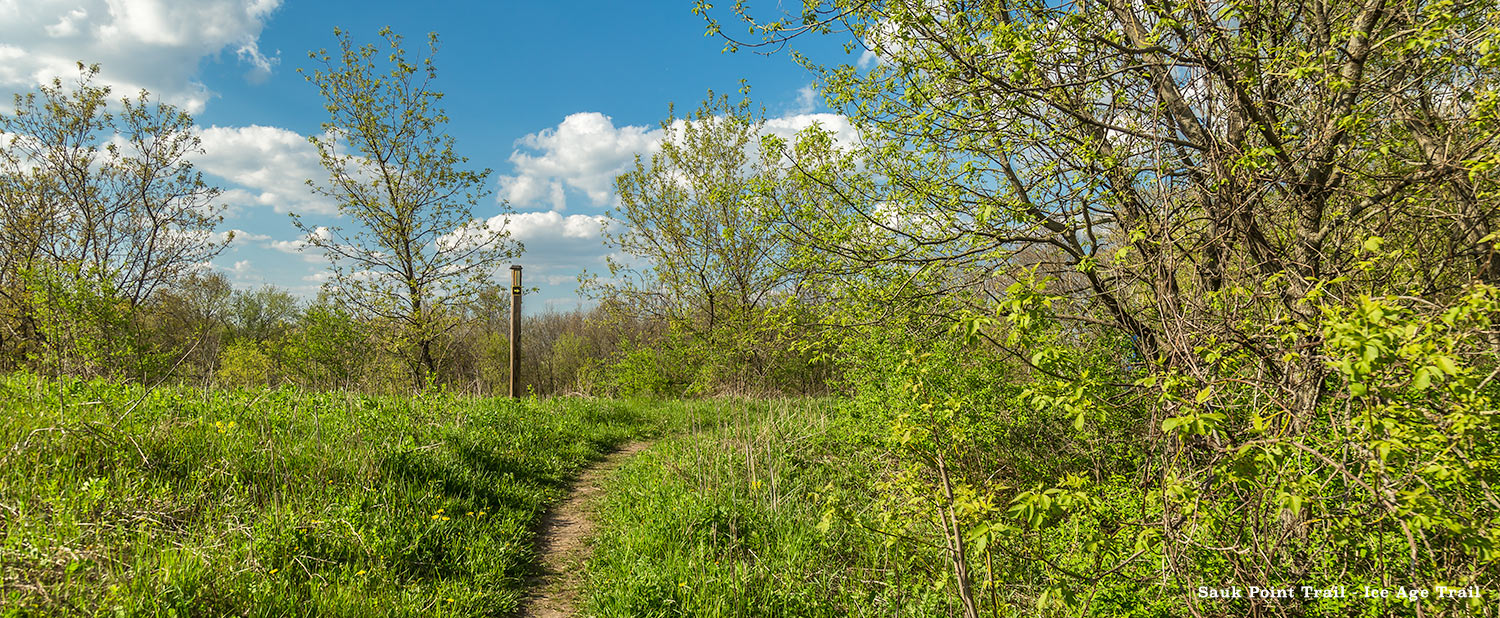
1237	255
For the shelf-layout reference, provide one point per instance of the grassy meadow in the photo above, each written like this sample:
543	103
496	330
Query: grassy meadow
173	501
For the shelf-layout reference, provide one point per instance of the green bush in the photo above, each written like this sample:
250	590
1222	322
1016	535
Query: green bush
87	328
646	371
244	363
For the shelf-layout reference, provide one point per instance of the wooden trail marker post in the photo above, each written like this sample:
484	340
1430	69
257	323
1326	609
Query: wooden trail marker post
515	329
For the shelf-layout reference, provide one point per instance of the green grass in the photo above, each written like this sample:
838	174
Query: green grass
730	521
178	502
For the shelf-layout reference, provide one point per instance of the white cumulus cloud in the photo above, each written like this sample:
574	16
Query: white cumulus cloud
270	164
234	237
243	235
152	44
585	152
550	226
787	127
67	25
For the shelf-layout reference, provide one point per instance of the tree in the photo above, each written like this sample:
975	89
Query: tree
330	349
698	253
701	255
263	314
190	319
1247	191
1212	149
417	254
106	194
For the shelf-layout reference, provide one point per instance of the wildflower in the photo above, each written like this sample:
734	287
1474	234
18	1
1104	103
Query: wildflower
445	519
436	516
273	571
450	599
440	510
361	572
471	513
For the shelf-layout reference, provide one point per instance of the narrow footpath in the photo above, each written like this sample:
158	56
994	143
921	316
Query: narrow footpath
562	542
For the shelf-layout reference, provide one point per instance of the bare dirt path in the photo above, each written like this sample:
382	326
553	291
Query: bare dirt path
562	542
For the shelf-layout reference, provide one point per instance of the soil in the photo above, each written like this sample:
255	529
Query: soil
562	542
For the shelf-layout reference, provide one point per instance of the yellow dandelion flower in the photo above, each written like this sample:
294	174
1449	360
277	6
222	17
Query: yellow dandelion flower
361	572
445	519
436	516
273	571
450	599
440	510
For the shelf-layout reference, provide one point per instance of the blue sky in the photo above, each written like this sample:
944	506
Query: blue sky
555	97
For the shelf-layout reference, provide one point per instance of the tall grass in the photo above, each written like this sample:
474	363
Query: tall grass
180	502
735	520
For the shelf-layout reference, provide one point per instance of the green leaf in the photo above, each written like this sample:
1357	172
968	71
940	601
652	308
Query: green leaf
1291	502
1423	379
826	523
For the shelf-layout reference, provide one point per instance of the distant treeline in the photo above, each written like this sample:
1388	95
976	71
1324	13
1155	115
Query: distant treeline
107	230
200	331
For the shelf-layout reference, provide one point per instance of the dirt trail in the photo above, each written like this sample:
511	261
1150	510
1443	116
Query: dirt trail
561	542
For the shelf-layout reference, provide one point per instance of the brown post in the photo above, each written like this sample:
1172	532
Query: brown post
515	330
